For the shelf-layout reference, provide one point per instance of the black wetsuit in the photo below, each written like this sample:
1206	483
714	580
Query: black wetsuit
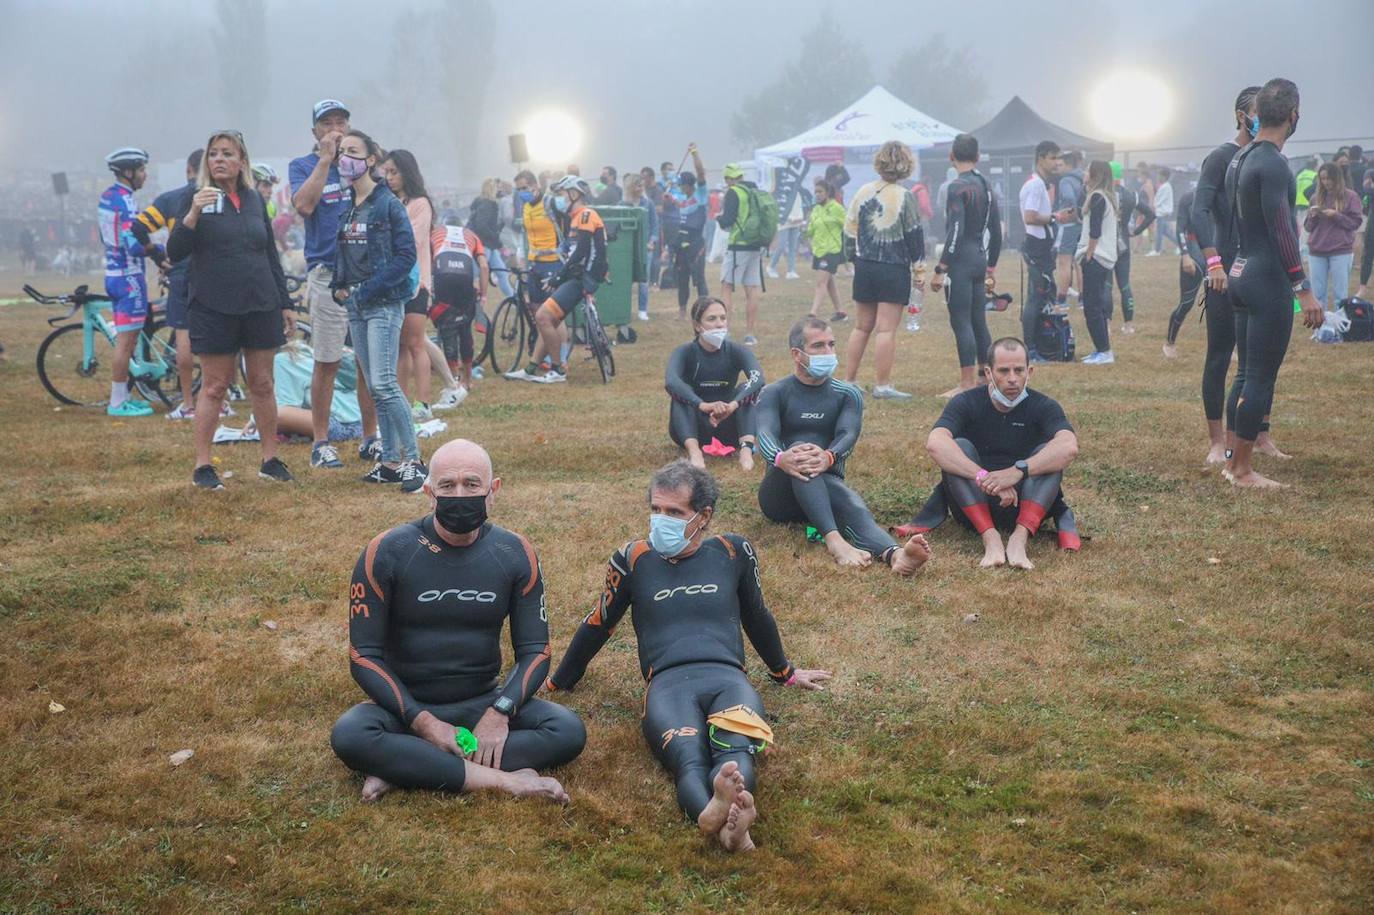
687	616
829	415
969	211
1188	283
695	376
1211	221
424	630
995	441
1128	204
1268	264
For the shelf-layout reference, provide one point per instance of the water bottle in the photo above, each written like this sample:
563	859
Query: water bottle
913	310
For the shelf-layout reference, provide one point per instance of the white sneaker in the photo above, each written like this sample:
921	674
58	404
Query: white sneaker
772	274
792	275
888	392
1103	358
519	375
643	316
552	376
182	413
421	413
450	398
1152	254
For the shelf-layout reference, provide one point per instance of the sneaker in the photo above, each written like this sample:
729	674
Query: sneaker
772	274
273	469
421	413
236	393
370	450
324	455
839	316
519	375
552	376
1103	358
380	473
477	373
751	340
206	478
1037	359
182	413
792	275
450	398
643	316
129	408
1152	254
413	474
888	392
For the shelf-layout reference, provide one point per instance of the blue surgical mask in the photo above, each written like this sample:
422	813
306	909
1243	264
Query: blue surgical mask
822	365
525	196
1004	400
560	204
1253	127
668	535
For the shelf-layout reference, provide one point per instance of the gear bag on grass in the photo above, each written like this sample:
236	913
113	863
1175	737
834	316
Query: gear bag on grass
1360	313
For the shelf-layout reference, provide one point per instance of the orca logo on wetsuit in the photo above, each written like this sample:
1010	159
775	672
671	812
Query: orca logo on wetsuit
685	589
482	597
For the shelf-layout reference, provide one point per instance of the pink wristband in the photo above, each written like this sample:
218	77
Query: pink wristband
1213	261
980	475
790	680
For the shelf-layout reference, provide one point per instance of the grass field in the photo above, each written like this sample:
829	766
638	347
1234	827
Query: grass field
1176	719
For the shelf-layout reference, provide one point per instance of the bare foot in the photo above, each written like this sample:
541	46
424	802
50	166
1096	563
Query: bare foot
1128	328
993	553
734	835
1253	480
910	558
374	788
725	787
1016	553
1215	455
529	783
1170	351
1265	445
846	555
746	459
952	392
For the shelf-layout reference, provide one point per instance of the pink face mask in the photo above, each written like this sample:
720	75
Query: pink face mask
351	168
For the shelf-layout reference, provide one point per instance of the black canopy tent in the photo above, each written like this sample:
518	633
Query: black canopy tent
1008	143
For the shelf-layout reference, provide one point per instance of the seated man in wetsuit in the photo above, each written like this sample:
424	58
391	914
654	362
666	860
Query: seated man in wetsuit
807	425
427	605
688	594
1002	450
709	401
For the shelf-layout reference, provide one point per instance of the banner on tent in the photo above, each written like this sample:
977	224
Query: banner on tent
789	189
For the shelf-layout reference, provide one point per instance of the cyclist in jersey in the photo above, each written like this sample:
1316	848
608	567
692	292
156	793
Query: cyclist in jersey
461	277
1267	274
688	594
969	264
808	423
125	283
1128	203
584	268
1002	450
1190	270
427	605
691	200
709	401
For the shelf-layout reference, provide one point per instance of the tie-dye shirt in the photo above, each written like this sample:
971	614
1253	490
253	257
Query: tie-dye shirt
884	224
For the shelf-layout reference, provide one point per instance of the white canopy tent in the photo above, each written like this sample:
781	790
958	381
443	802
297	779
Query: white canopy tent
849	138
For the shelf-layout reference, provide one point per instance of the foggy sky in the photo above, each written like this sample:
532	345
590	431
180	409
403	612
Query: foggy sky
645	78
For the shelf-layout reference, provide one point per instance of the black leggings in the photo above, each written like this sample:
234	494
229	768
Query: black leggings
1188	284
826	504
455	332
689	263
1123	281
1221	343
1038	254
981	512
1264	324
686	422
968	317
1367	258
675	711
1097	303
371	740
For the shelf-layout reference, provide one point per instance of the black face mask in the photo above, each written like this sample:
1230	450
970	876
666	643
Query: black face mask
461	514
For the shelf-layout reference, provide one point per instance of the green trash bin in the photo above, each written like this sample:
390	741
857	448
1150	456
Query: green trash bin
626	260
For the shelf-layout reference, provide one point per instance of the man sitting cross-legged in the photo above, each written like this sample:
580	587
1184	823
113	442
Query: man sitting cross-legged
427	605
1003	449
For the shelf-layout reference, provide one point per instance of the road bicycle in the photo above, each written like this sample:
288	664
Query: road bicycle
510	339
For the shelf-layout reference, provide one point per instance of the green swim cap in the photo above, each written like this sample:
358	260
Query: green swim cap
1116	170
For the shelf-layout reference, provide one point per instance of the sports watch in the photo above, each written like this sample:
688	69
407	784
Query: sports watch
1304	286
505	706
1023	467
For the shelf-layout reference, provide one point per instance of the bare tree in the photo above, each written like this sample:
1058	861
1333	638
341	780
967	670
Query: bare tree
242	41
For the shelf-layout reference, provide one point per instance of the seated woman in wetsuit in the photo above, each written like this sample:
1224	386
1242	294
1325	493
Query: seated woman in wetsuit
808	423
711	404
689	593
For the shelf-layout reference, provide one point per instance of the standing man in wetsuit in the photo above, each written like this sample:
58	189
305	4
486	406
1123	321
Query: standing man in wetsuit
427	605
1267	273
1002	451
1190	270
689	594
808	423
1128	203
1040	220
969	265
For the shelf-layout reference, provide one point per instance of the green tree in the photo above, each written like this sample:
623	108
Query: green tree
946	83
242	41
831	71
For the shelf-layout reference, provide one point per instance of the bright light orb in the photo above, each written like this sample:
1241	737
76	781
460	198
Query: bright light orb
1131	105
553	136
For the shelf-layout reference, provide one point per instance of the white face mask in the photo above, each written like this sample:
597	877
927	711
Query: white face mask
714	338
1004	400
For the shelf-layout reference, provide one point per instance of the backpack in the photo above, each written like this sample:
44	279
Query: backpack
1361	316
758	217
1054	338
454	258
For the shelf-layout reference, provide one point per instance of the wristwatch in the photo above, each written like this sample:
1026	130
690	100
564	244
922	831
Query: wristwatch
505	706
1023	467
1304	286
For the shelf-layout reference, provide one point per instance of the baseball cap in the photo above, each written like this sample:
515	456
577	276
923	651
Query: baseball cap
733	171
325	106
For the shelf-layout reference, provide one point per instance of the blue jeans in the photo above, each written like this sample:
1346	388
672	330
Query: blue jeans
1164	229
377	342
496	262
1330	274
787	241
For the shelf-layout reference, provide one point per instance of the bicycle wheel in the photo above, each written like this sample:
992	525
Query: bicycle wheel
481	337
159	344
506	336
62	368
599	343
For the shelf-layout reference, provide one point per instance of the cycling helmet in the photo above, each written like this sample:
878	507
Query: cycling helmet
574	183
264	172
126	158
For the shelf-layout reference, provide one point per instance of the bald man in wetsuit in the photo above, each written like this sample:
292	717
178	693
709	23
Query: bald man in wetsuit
427	605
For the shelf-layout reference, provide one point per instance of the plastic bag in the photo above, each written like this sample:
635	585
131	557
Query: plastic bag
1334	325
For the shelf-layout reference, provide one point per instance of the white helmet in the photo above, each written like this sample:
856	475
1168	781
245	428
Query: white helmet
128	157
264	172
574	183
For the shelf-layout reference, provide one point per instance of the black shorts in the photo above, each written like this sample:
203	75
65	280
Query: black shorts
830	263
178	291
420	304
216	334
455	292
875	281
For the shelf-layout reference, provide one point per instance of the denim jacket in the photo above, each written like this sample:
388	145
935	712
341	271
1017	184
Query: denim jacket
390	252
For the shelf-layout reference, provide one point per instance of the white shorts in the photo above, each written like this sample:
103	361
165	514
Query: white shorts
328	319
